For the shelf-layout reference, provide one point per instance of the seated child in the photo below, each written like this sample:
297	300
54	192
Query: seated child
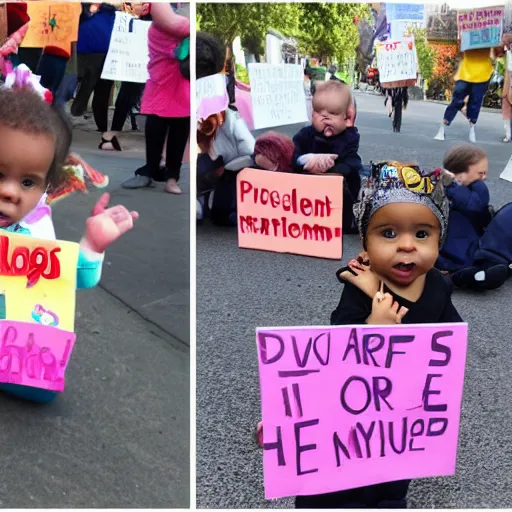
402	224
273	151
32	156
227	145
475	251
330	146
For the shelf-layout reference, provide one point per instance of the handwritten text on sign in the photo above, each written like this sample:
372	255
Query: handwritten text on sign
34	355
480	28
397	61
128	56
345	407
277	92
38	280
290	213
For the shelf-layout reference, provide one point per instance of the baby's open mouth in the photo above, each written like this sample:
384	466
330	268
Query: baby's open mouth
405	267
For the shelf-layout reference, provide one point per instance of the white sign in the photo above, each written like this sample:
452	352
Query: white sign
277	92
128	56
507	172
396	61
211	96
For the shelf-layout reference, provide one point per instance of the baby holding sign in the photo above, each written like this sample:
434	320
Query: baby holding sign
32	155
402	215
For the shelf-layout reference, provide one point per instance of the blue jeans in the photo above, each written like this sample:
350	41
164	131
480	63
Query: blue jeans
476	93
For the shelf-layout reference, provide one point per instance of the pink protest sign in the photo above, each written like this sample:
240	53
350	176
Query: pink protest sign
346	407
34	355
211	96
293	213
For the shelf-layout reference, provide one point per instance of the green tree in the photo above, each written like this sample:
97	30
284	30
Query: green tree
328	31
250	22
426	54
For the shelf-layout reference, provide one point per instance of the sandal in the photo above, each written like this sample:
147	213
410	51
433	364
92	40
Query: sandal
114	141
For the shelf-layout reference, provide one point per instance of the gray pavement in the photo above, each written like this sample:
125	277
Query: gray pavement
239	290
119	434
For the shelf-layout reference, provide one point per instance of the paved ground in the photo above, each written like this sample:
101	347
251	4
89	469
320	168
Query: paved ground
119	435
239	290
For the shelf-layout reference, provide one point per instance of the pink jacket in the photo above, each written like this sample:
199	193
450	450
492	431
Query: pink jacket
167	93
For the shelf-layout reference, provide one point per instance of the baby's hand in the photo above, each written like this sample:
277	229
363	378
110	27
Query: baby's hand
106	225
318	164
385	311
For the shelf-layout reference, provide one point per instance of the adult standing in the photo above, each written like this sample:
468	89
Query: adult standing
94	35
472	80
166	100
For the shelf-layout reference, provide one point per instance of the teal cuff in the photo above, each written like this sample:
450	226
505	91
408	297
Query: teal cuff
183	49
88	272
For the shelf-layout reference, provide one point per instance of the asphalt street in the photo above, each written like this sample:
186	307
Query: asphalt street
239	290
119	434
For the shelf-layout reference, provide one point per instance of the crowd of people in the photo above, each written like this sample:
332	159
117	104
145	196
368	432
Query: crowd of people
422	232
73	73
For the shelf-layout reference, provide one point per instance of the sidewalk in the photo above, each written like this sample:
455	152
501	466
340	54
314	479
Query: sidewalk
148	269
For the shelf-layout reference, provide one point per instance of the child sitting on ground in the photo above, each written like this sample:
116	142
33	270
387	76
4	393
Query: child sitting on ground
329	146
472	229
403	219
31	158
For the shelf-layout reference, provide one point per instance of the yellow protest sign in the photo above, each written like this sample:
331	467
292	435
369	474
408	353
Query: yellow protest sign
52	24
38	280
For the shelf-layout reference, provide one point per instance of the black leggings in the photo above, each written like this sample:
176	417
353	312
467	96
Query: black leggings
177	131
129	95
386	495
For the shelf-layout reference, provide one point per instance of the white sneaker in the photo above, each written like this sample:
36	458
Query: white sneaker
472	135
440	133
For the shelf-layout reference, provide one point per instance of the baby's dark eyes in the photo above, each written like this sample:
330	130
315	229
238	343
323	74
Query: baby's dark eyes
28	183
391	233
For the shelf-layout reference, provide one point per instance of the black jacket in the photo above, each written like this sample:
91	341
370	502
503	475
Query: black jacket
345	145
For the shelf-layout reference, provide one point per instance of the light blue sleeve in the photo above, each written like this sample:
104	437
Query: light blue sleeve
88	271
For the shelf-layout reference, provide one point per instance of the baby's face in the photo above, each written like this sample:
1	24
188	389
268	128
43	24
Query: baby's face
475	172
25	159
330	113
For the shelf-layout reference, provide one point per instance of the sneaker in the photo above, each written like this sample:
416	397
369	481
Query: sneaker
440	133
199	210
138	182
472	135
171	187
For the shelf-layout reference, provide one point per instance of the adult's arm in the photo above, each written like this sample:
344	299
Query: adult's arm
167	20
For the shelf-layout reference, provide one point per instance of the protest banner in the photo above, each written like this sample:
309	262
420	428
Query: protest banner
345	407
128	55
37	309
52	24
480	28
211	96
397	63
278	96
290	213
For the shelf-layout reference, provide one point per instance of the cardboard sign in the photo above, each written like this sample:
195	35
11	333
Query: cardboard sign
37	309
128	55
345	407
52	24
277	92
290	213
211	96
397	61
480	28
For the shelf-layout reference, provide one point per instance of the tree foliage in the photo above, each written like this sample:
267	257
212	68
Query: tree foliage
250	21
426	54
322	30
328	31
